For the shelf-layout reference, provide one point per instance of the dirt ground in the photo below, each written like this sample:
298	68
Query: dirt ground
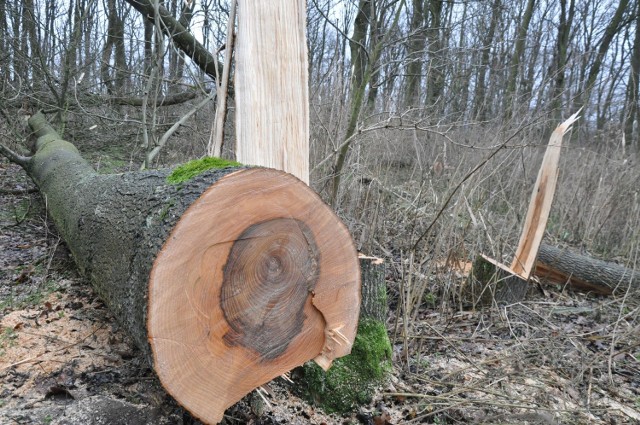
559	358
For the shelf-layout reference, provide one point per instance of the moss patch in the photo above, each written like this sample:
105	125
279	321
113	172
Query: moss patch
189	170
351	380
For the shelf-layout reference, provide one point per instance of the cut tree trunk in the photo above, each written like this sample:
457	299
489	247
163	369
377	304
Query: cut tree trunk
225	281
585	273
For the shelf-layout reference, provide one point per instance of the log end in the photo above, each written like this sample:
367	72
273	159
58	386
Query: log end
257	277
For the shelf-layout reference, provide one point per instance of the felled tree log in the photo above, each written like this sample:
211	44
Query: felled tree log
225	281
585	273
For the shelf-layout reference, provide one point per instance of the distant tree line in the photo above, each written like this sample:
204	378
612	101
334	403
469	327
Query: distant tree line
446	62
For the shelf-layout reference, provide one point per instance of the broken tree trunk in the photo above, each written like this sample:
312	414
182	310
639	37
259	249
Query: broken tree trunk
226	280
271	86
540	203
585	273
492	281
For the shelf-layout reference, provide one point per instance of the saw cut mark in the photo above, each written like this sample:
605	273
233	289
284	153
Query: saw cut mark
271	271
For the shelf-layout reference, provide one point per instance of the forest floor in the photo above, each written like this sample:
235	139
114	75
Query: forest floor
561	357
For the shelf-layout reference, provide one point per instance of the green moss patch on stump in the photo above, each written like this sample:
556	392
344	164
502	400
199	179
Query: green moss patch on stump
189	170
351	381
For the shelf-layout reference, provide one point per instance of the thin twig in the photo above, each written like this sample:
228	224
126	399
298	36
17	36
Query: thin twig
217	136
461	182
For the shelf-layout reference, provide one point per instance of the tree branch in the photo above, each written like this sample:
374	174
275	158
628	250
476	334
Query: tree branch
163	140
182	37
22	161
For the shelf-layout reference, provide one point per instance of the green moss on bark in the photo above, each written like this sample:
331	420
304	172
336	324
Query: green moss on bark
351	381
189	170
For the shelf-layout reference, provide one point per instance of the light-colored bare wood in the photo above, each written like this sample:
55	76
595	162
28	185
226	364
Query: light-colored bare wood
271	86
257	277
540	204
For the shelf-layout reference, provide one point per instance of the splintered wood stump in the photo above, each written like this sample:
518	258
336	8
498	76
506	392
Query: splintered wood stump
491	282
225	281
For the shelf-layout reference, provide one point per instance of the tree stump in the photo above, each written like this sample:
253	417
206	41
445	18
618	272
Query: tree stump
351	381
490	282
225	280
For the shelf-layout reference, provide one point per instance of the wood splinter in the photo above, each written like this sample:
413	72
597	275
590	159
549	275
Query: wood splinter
334	340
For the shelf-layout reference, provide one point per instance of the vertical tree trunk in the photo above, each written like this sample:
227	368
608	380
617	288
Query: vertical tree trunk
176	68
148	47
633	86
34	43
271	91
4	46
120	58
356	102
105	64
435	75
518	51
560	59
20	73
358	43
480	109
415	54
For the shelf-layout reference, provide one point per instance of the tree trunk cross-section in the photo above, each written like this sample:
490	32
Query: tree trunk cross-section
225	281
276	264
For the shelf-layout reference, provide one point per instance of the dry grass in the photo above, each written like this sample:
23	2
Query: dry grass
429	203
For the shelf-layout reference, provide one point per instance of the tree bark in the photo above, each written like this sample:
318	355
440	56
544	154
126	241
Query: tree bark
585	273
561	55
225	281
633	85
435	77
415	51
480	108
